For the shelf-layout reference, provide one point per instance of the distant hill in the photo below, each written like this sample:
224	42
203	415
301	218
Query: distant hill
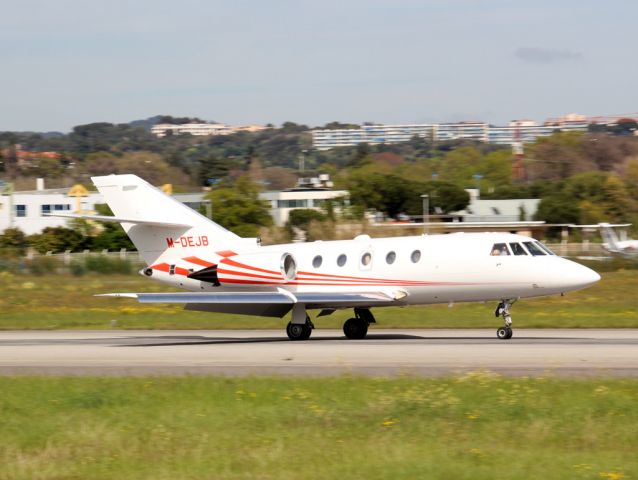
148	123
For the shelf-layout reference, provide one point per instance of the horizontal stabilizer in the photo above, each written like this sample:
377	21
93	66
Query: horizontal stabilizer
105	218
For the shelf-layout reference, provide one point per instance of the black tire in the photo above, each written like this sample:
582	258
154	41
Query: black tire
298	331
502	333
355	329
510	332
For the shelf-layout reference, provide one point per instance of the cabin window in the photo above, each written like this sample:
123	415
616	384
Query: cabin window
545	247
366	259
533	249
341	259
416	256
517	249
499	249
390	258
317	261
171	270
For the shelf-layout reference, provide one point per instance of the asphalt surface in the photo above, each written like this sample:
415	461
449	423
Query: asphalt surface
431	353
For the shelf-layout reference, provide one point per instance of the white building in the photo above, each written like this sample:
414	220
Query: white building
525	130
509	210
28	210
163	129
312	193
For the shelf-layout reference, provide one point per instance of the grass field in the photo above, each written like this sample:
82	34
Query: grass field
65	301
478	426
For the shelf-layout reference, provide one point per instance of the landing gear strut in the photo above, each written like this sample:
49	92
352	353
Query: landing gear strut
357	328
300	331
503	310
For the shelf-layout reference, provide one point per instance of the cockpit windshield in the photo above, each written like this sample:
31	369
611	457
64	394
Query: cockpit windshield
499	249
545	247
534	249
517	248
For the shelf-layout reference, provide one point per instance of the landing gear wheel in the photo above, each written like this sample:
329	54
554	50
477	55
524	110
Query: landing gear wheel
298	331
504	333
355	329
503	310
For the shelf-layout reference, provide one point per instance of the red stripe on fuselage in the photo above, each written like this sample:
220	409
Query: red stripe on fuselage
222	271
226	253
228	261
199	261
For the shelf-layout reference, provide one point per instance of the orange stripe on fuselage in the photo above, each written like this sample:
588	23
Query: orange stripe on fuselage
199	261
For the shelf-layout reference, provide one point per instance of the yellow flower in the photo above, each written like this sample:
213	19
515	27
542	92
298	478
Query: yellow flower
613	475
389	422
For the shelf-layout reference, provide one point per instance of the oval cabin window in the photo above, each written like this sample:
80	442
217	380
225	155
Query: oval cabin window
416	256
316	262
366	258
341	260
390	258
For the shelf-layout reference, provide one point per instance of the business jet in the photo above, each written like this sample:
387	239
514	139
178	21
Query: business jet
222	272
625	248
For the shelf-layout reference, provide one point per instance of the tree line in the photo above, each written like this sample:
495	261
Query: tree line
580	177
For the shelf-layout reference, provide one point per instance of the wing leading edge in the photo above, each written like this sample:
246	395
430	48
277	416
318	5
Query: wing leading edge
269	304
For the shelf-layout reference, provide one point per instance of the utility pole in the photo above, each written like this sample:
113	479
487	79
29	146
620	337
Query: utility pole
426	213
302	161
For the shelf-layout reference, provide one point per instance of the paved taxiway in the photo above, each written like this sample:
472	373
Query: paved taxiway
385	352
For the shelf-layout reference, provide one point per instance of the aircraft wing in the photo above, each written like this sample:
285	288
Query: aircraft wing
106	218
270	303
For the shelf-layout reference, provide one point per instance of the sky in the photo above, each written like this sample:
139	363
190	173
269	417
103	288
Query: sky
70	62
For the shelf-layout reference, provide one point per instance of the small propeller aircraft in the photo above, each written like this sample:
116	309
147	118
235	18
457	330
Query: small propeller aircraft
223	272
625	248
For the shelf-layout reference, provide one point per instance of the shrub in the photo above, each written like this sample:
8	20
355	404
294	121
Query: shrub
106	265
43	265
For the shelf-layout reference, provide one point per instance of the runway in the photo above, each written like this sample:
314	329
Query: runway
428	353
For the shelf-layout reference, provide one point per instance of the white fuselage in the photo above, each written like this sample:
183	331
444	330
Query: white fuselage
461	267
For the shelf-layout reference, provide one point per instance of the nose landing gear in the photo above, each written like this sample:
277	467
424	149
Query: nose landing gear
503	310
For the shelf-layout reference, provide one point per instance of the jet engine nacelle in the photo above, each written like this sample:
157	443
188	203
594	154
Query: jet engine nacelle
272	268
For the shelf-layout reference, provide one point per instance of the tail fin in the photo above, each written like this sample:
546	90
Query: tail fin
160	225
609	236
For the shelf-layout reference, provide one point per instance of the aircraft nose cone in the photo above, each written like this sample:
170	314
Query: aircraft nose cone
580	276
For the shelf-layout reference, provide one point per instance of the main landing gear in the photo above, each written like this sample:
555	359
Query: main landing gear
503	310
354	328
357	328
300	331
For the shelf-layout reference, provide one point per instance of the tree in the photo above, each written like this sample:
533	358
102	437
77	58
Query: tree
239	208
211	170
58	239
393	194
630	175
558	157
361	156
13	242
301	217
557	208
616	200
111	235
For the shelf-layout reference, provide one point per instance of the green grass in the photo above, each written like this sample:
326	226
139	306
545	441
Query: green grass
65	301
479	426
